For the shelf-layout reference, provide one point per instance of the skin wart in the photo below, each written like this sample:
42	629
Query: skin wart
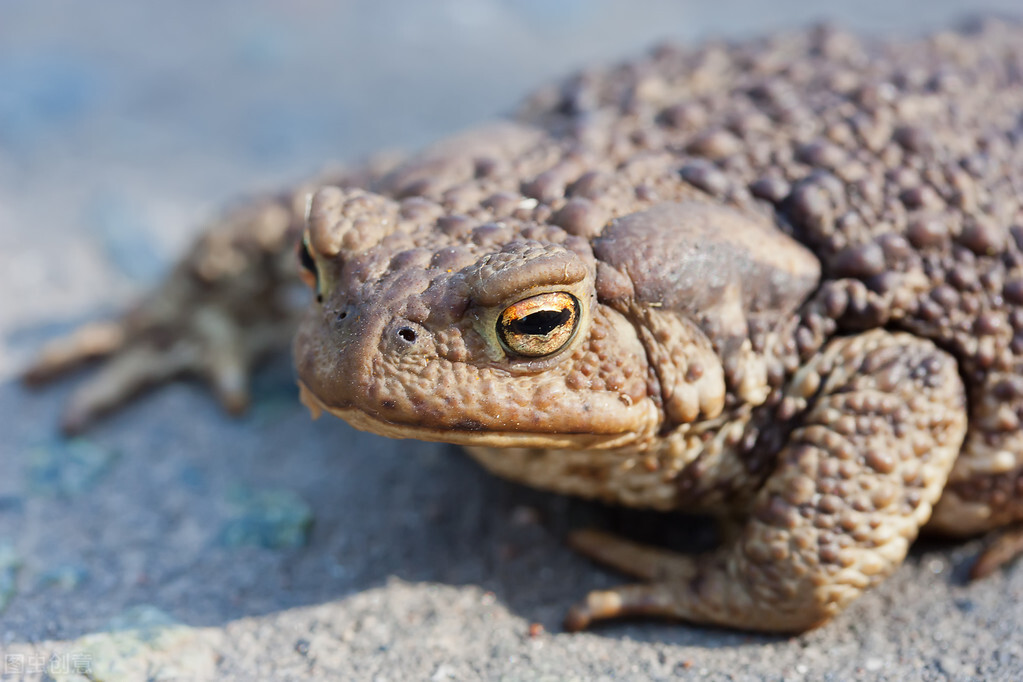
778	281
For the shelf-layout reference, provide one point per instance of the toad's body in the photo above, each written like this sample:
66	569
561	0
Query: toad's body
781	282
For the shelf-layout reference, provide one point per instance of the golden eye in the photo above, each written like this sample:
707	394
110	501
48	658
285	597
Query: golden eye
539	325
310	274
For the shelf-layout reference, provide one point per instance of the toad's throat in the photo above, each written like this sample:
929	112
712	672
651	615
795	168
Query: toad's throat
489	438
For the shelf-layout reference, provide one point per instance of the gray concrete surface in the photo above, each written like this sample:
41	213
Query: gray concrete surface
123	123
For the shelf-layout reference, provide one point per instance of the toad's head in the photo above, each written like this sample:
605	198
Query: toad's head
457	330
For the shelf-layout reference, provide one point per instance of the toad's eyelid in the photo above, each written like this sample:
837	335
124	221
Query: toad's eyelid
310	273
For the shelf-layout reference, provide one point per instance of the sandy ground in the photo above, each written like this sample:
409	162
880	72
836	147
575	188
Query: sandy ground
176	543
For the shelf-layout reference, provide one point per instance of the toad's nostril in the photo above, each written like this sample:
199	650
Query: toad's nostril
407	335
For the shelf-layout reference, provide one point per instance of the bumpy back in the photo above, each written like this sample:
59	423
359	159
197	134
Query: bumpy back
898	165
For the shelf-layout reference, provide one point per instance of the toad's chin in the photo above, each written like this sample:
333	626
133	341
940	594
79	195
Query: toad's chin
470	437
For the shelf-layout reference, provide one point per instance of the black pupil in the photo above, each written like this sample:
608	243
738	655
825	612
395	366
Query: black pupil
541	323
306	259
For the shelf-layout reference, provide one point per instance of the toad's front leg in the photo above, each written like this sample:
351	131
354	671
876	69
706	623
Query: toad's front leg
224	307
853	485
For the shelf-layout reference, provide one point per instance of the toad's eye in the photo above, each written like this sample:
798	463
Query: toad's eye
310	274
539	325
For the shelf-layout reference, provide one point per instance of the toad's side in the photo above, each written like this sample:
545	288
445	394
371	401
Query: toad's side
781	282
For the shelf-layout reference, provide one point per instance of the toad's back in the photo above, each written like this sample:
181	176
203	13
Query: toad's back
899	165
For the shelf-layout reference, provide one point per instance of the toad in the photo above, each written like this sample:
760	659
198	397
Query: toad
778	281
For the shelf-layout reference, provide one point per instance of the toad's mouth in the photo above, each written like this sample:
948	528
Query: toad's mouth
487	438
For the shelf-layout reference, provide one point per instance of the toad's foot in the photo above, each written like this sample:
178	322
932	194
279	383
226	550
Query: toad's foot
852	487
220	311
1006	546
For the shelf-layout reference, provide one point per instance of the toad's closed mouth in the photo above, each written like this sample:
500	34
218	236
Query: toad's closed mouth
467	436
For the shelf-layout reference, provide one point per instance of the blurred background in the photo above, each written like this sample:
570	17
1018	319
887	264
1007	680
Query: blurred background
123	125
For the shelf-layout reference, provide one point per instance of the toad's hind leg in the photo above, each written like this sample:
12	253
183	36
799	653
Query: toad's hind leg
851	488
985	488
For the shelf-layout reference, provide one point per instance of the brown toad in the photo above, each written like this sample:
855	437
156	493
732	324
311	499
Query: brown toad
779	281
